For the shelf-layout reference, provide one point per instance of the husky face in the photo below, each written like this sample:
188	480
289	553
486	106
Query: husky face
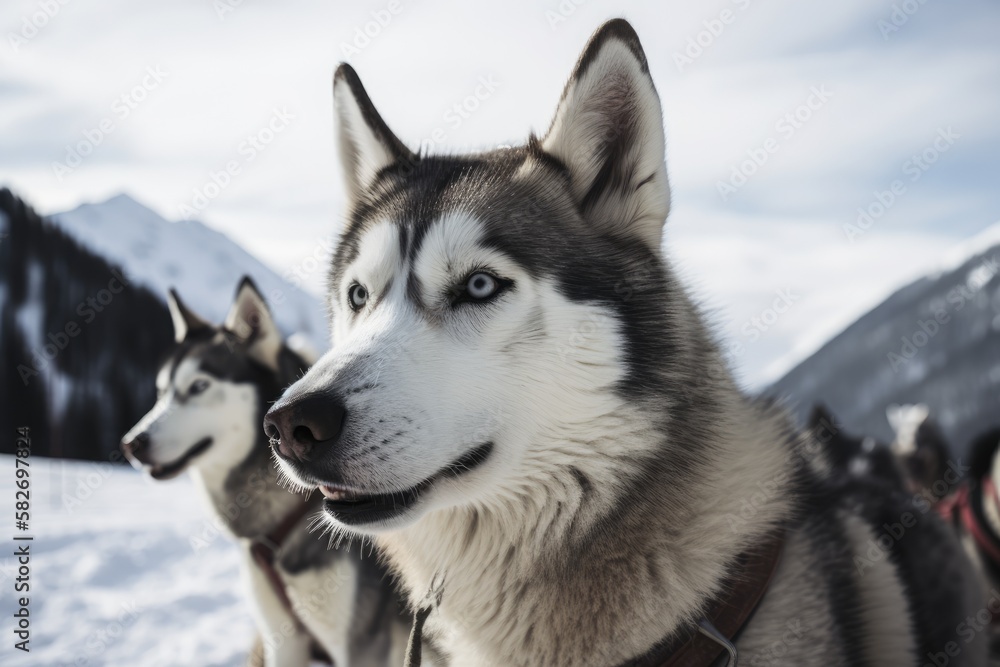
485	305
208	391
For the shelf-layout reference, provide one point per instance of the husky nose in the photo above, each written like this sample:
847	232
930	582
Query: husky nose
297	426
135	446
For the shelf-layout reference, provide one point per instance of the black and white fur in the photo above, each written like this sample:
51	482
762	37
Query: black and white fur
984	452
556	454
919	446
214	388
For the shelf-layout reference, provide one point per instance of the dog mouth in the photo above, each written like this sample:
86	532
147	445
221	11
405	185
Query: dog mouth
355	508
169	470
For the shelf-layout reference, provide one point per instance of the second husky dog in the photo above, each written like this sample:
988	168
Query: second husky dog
213	389
974	510
525	409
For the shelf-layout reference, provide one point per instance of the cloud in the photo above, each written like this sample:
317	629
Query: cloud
783	228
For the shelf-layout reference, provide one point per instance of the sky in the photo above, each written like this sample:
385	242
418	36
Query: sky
821	155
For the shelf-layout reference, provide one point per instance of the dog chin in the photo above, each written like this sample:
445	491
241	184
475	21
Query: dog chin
164	471
374	523
380	511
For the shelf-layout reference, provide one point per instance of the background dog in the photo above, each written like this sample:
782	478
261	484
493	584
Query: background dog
213	389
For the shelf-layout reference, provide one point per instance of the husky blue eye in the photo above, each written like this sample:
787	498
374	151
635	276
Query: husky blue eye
481	286
357	296
197	387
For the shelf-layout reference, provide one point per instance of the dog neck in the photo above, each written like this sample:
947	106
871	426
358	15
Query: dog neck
609	555
247	498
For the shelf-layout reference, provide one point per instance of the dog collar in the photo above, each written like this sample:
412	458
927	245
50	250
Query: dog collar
707	640
714	635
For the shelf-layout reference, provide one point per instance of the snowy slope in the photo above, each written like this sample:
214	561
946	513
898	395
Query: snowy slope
202	264
115	579
934	341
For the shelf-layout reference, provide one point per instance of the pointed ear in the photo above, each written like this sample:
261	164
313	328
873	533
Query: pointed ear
608	131
820	414
367	145
184	320
251	321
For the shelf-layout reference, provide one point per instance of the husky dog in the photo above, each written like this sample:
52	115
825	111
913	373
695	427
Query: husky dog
974	510
214	387
854	457
919	446
525	410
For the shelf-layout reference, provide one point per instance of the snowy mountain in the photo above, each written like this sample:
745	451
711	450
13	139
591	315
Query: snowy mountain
935	341
83	321
203	265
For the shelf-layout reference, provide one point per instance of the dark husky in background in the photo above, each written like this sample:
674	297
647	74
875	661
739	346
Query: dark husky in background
974	510
525	410
214	388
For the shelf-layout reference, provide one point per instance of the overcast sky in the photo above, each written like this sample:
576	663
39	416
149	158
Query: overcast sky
783	117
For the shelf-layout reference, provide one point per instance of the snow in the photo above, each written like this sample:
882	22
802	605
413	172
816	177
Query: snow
975	245
115	575
29	316
203	265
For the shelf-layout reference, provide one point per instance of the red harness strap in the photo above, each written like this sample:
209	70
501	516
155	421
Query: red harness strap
957	508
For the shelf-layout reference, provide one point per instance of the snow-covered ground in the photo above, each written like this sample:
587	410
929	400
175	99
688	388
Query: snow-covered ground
124	571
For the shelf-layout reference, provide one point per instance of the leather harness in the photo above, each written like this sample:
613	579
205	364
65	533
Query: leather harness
705	642
264	550
715	634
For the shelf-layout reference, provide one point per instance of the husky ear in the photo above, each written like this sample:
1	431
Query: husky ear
608	131
184	320
820	416
900	416
367	145
251	321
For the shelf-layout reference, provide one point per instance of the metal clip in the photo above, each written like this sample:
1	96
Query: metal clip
706	628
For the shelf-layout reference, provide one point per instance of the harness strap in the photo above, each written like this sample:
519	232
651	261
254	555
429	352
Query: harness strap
976	525
965	508
414	646
714	634
706	641
264	550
